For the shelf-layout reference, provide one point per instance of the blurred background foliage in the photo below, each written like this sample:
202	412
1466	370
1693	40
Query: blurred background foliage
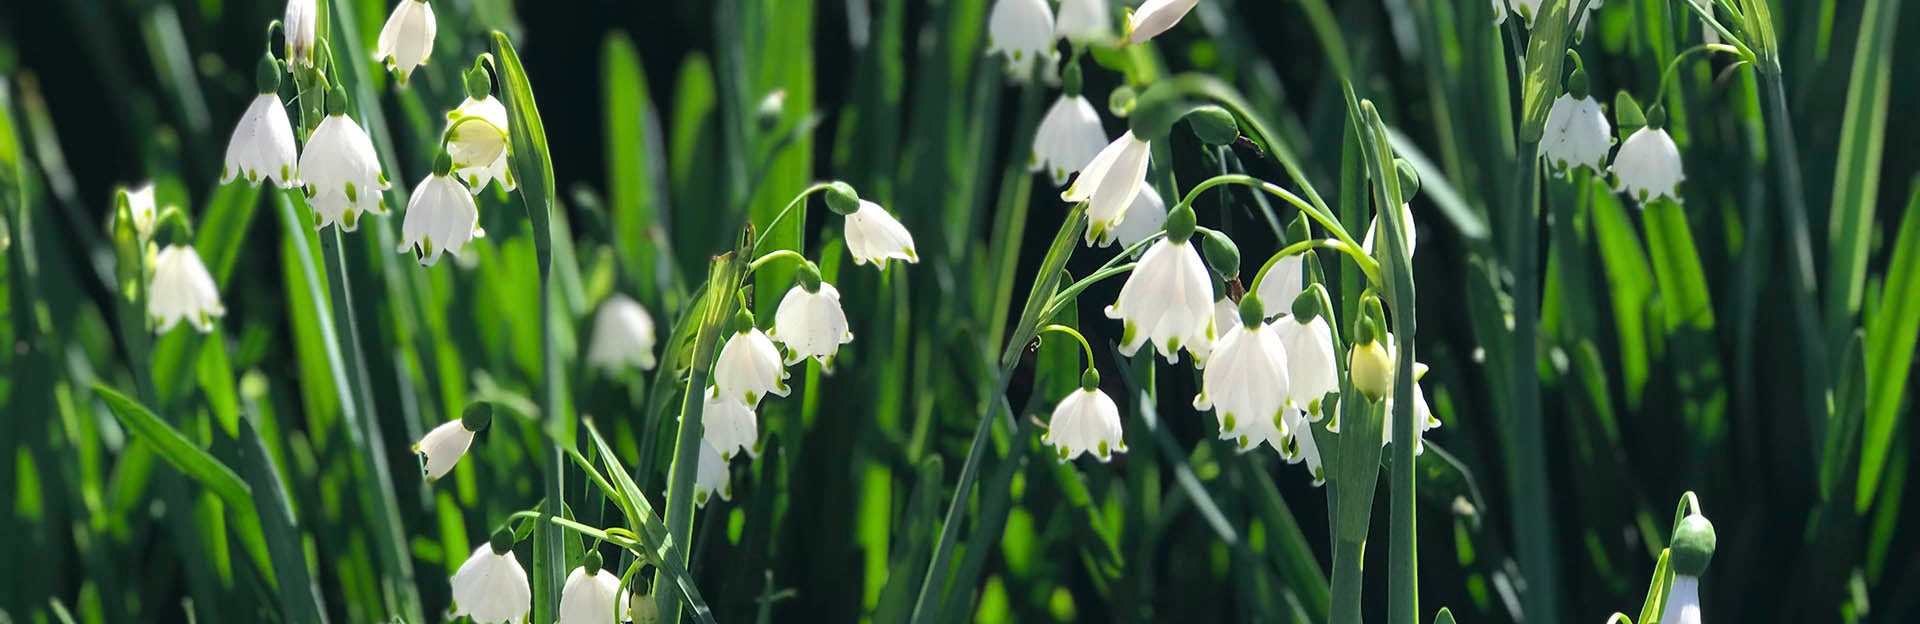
1673	355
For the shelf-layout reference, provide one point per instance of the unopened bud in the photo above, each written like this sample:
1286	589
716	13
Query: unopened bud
1222	255
842	199
1693	544
1214	125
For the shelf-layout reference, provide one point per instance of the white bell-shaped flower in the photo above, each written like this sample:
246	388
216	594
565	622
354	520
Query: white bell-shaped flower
1068	138
1086	421
1023	31
1246	385
622	336
342	173
711	477
1283	284
181	289
477	140
1413	241
1423	418
145	210
406	42
1145	217
1169	300
1577	135
811	324
1683	601
1084	21
262	145
591	595
875	236
1155	17
1648	166
1302	446
299	23
1528	10
749	367
731	426
491	587
443	447
1311	367
441	216
1109	183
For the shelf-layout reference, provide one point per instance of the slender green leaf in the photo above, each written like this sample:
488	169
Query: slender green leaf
1890	345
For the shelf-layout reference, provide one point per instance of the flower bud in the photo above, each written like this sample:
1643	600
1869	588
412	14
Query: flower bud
1222	255
1306	307
1214	125
1369	364
477	416
842	199
479	84
1409	179
771	108
1693	544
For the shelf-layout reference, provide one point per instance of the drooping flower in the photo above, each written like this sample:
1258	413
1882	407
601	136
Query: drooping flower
262	145
711	477
1155	17
1423	418
1246	383
342	171
1692	552
591	594
145	210
1311	367
1370	366
441	216
622	336
491	587
1169	300
1145	217
1109	183
749	367
477	140
1577	135
443	447
1302	446
1068	138
1086	421
182	290
1406	214
299	25
406	42
1023	31
1283	283
811	324
1084	21
1648	166
731	426
875	236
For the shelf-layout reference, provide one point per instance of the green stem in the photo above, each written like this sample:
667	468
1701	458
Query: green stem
550	547
777	255
1066	295
1800	271
723	277
1318	213
1296	249
1532	516
797	201
1084	347
1347	558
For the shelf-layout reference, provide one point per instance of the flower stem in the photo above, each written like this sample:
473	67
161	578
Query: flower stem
1526	447
797	201
1326	219
723	278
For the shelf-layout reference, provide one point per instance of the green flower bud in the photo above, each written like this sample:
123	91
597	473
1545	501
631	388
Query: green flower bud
1222	255
477	416
842	199
1252	311
1214	125
1409	179
502	541
479	84
1369	365
1306	307
592	562
1693	544
267	76
1181	223
1090	380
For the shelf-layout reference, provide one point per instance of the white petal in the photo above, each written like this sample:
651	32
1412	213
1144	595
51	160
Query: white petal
749	367
623	336
1023	31
140	202
1115	187
811	324
711	477
299	25
407	39
181	289
1084	21
1528	10
1683	601
342	173
1413	239
1167	299
1145	217
1648	166
441	216
589	598
730	425
1068	137
1155	17
1311	368
262	146
1283	284
443	447
875	236
1577	135
477	141
1086	421
492	588
1247	386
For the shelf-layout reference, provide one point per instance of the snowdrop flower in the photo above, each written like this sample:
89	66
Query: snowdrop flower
875	236
477	140
1310	361
299	25
262	143
1692	551
1406	216
749	365
1155	17
1068	137
1145	217
441	216
1084	21
182	290
1499	12
1683	601
145	212
1086	421
711	477
591	594
1246	383
1370	365
810	322
1302	446
491	586
1168	298
1022	30
1423	418
1109	183
406	42
731	425
446	444
1648	166
1577	133
1283	284
622	336
341	170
